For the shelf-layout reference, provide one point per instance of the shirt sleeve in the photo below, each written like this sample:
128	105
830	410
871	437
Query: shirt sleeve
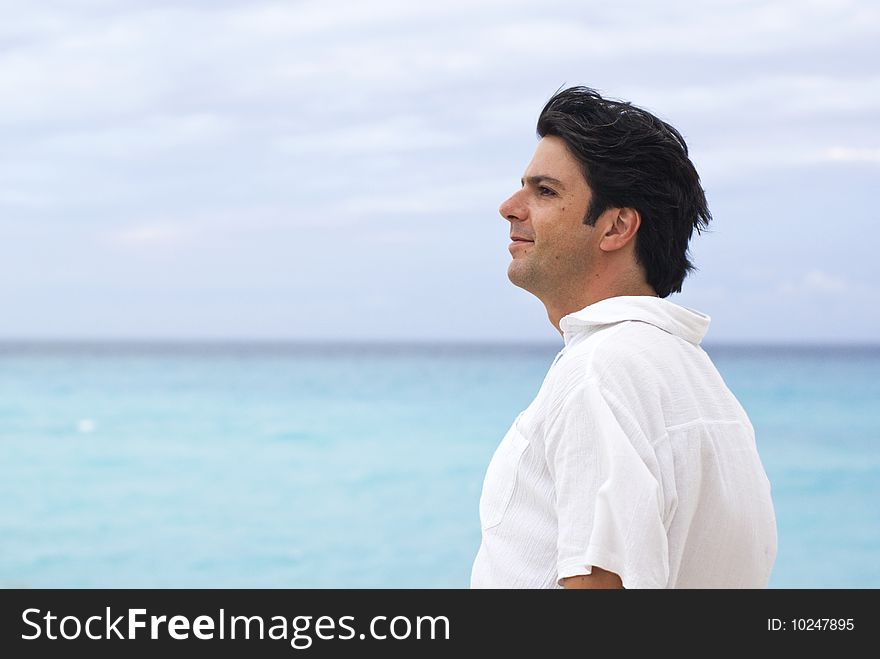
608	503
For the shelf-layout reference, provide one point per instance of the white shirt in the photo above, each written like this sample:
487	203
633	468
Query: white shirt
634	457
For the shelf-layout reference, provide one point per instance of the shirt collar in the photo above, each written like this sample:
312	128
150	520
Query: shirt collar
680	321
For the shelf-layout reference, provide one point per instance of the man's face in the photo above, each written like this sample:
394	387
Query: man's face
552	248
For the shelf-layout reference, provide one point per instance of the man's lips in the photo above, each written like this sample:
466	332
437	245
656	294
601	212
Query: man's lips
516	241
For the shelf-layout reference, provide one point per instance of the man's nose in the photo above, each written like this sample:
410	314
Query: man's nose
512	209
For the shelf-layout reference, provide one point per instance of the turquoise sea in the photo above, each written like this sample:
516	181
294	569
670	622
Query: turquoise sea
258	465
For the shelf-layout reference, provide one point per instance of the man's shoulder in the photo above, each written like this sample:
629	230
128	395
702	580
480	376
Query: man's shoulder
622	355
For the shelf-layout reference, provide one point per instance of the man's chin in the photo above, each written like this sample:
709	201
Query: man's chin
518	275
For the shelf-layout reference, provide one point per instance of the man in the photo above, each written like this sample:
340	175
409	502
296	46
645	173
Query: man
634	466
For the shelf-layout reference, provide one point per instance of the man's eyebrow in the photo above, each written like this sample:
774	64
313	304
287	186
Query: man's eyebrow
538	180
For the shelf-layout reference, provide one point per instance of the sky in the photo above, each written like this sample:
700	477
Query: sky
332	170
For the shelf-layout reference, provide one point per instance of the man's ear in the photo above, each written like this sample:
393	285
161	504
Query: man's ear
621	225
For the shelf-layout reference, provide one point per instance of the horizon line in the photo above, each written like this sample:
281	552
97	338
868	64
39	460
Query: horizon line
385	342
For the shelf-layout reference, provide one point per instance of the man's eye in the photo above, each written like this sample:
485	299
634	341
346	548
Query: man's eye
545	192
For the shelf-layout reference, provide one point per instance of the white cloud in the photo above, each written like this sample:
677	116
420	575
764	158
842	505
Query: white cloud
214	227
151	235
745	159
768	97
477	196
395	134
145	136
280	19
21	199
822	282
729	28
852	154
816	283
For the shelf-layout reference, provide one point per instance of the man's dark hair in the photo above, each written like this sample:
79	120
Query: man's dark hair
630	158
